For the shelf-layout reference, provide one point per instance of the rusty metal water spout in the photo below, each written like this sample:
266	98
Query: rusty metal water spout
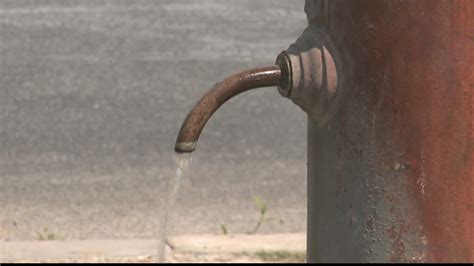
221	92
306	73
388	90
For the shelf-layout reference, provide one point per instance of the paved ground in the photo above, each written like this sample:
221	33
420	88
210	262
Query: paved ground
92	94
185	248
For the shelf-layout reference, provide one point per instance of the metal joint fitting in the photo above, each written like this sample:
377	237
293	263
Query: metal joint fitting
309	74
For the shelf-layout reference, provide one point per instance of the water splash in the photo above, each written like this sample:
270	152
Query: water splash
182	162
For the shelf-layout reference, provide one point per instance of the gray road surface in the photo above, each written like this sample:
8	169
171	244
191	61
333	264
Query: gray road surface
92	94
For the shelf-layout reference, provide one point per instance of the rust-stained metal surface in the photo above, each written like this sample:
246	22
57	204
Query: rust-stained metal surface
221	92
309	74
391	175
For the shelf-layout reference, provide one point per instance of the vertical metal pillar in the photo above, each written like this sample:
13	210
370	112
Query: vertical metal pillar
390	176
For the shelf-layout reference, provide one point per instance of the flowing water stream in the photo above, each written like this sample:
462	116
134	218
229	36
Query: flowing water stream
182	162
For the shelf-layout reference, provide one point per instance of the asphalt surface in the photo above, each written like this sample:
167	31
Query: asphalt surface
92	94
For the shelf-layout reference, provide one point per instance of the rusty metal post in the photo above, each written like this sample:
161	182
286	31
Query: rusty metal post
390	175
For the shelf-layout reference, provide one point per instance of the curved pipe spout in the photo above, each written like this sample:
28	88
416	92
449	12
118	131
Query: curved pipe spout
221	92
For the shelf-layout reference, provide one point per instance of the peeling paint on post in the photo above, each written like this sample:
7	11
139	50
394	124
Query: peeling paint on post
390	176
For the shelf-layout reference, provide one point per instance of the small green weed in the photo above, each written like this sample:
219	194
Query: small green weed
47	235
263	207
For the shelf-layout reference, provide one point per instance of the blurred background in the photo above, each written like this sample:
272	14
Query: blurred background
92	95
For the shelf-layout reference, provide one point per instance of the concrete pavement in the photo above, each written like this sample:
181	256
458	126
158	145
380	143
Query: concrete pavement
184	248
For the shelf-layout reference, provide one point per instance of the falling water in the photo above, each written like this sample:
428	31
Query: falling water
182	162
